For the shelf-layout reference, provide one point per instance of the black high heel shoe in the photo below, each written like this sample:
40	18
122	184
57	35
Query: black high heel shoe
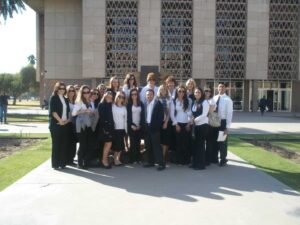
106	166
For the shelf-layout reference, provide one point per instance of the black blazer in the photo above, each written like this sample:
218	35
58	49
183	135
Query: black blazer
55	105
106	120
129	116
157	117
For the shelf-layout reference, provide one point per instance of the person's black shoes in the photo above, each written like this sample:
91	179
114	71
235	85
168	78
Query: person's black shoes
223	162
161	167
148	165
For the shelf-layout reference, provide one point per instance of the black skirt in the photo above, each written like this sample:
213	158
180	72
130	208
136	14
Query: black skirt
105	135
118	140
166	134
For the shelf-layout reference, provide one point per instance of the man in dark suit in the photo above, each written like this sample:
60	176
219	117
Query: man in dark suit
154	120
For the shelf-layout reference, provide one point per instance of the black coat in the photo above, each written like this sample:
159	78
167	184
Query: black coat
129	116
56	106
106	120
157	117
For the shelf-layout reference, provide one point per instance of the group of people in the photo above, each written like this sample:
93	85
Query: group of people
111	122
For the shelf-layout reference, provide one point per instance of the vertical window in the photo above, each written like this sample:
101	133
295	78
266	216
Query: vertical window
231	35
284	39
176	38
121	37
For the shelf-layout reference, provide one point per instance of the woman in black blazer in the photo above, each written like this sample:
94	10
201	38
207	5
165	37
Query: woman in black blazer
135	123
106	126
59	113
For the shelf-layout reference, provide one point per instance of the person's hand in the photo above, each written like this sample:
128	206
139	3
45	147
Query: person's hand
226	131
133	127
138	128
177	127
89	111
188	127
61	122
165	125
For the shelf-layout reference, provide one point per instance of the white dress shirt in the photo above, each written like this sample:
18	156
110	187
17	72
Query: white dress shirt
120	117
203	118
136	114
181	115
64	112
78	107
149	111
225	108
126	90
144	90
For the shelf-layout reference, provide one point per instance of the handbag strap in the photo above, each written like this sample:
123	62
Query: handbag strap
218	101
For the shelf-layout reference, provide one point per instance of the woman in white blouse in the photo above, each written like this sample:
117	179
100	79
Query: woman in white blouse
181	117
120	124
200	108
85	124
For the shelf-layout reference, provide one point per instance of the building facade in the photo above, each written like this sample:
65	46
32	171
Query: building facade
252	45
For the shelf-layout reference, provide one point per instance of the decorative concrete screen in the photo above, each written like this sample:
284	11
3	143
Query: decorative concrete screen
176	38
231	33
121	37
283	39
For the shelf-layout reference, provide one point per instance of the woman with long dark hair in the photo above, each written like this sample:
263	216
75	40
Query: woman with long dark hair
106	126
129	83
71	96
85	125
135	124
200	108
59	117
181	116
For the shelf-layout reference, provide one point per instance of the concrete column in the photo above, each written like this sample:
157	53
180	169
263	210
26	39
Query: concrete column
204	27
149	33
40	54
93	39
257	39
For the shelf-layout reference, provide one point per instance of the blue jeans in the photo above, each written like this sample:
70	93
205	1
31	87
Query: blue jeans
3	112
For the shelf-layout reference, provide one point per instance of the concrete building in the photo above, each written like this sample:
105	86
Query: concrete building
252	45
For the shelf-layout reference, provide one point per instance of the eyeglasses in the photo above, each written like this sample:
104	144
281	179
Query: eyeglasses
121	97
71	90
62	88
181	91
86	92
95	93
207	91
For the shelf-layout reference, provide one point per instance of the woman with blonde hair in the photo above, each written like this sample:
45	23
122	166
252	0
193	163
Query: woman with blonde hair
190	86
106	126
120	125
85	125
114	85
166	129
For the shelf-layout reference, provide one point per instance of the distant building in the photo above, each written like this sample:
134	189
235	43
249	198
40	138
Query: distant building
252	45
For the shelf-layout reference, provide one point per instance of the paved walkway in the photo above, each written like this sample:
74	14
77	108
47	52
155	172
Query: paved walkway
236	194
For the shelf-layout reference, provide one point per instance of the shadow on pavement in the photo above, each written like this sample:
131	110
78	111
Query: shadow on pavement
184	184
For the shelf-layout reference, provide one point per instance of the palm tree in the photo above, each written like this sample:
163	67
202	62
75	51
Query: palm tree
8	7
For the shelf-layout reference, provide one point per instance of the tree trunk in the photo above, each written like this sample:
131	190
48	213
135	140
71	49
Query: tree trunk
15	99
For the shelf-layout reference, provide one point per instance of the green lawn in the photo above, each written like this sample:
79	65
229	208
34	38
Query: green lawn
27	118
282	169
23	103
292	146
17	165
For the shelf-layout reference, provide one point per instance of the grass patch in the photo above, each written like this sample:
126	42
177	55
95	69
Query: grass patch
292	146
20	163
27	118
29	103
282	169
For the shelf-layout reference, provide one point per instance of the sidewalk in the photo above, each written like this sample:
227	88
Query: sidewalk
236	194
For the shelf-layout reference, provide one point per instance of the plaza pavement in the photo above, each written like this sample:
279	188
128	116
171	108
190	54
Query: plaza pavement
235	194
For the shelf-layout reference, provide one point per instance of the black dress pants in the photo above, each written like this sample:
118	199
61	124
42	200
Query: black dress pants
135	145
199	146
213	144
85	138
72	145
60	140
153	147
223	145
183	144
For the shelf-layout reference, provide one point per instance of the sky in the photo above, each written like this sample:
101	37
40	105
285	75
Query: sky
17	41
